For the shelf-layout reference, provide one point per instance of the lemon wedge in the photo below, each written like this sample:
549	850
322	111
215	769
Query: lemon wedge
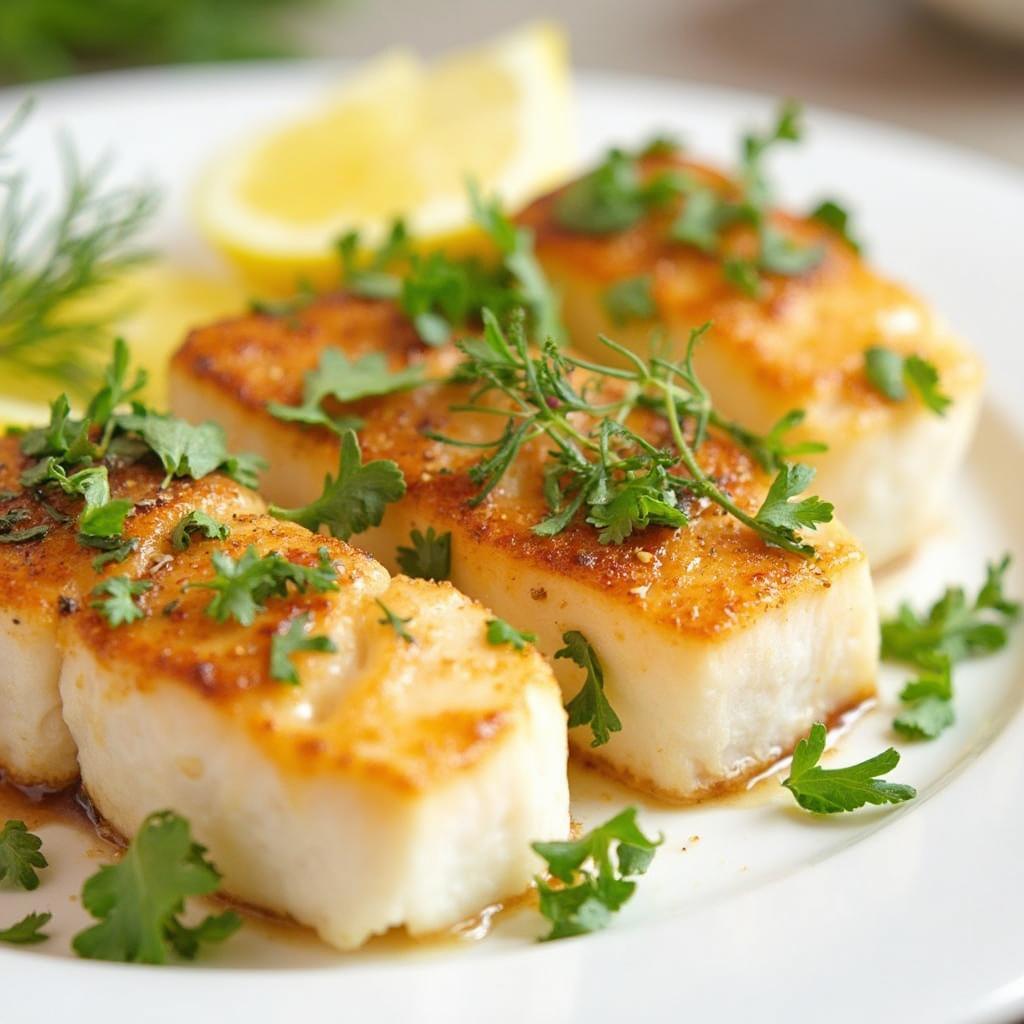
397	138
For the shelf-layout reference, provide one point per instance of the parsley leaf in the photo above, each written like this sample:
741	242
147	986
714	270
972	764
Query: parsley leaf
500	632
284	645
953	626
185	449
785	517
429	558
631	299
345	380
116	552
118	607
396	622
197	521
11	534
20	855
355	499
893	375
596	873
137	901
590	706
835	216
27	931
831	790
241	587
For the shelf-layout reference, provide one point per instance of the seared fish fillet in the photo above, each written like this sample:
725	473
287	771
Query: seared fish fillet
43	582
799	345
400	783
718	651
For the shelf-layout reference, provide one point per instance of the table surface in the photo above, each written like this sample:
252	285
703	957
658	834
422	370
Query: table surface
885	59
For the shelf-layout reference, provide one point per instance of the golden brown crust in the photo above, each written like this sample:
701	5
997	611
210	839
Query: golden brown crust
703	580
803	337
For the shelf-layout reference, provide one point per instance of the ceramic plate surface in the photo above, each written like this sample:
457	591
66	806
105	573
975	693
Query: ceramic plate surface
753	909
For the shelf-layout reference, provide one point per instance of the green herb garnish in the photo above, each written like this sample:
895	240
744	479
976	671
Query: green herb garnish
354	500
429	557
835	216
590	706
115	599
11	533
596	872
197	521
242	587
295	639
396	622
831	790
28	931
138	900
20	855
500	632
893	376
631	299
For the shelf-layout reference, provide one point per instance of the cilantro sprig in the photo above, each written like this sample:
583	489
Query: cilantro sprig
20	855
355	499
199	522
615	478
28	931
295	639
428	555
114	599
596	873
832	790
590	706
500	632
137	901
396	622
895	376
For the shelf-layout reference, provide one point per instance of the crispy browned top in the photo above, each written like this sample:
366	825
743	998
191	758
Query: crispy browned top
702	580
37	574
804	336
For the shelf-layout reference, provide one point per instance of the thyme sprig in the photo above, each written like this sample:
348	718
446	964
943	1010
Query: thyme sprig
598	464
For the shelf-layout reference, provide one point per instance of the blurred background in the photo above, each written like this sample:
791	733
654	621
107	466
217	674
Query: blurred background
952	68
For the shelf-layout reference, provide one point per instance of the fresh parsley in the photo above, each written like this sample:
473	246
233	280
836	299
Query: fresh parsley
138	900
292	641
500	632
631	299
11	533
835	216
831	790
114	599
197	521
396	622
343	380
596	873
28	931
954	626
429	557
20	855
787	517
354	500
242	586
894	376
928	701
590	706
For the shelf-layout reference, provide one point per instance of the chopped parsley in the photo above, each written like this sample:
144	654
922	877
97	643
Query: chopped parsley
292	641
835	216
116	550
344	380
20	855
28	931
197	521
953	630
114	599
500	632
617	480
429	557
11	533
631	299
894	376
355	499
138	900
832	790
396	622
596	873
590	706
242	586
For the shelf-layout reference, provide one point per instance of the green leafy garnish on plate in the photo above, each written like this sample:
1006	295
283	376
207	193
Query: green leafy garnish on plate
20	855
428	556
590	706
26	932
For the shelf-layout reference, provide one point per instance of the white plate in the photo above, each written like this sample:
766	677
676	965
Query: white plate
915	913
